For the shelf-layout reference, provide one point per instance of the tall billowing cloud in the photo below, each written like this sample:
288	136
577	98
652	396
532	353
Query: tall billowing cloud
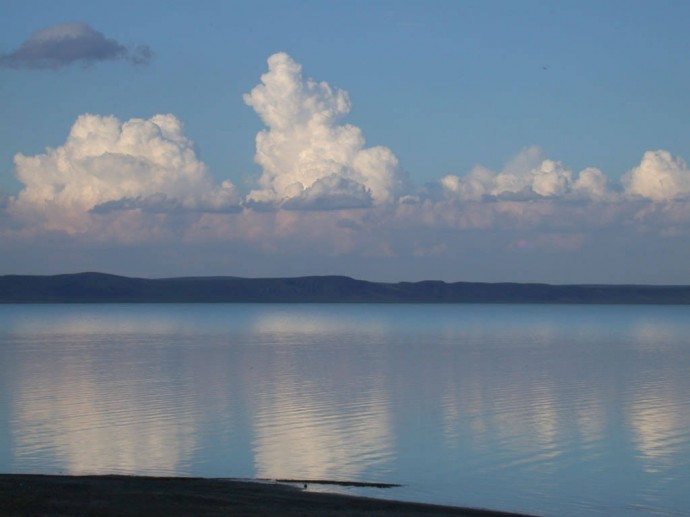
309	159
659	177
332	205
66	43
109	165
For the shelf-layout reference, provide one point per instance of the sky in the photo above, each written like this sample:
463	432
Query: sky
492	141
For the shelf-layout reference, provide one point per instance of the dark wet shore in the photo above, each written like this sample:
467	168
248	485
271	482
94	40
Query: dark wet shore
34	495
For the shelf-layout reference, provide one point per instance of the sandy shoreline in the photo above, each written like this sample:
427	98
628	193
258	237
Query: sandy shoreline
26	494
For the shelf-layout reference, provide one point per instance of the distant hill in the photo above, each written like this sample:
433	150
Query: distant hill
104	288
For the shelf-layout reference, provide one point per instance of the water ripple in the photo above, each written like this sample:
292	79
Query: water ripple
550	410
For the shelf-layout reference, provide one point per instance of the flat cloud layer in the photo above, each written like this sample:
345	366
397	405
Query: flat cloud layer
66	43
326	203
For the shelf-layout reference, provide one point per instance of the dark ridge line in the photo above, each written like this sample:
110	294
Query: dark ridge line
107	288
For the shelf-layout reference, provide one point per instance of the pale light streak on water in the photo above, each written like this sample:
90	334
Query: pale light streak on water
555	410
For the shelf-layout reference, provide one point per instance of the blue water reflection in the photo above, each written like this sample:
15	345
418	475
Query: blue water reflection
556	410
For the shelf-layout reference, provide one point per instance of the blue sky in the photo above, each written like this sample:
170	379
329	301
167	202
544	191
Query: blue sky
444	87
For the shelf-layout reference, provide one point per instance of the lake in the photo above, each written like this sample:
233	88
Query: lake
553	410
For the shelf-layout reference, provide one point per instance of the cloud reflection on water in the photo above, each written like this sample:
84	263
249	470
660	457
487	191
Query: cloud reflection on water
548	402
89	418
319	411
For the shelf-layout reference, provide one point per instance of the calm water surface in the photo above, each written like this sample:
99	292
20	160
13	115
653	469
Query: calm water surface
555	410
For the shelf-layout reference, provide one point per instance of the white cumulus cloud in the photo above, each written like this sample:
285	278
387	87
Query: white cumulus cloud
591	183
330	203
527	175
107	165
659	177
308	157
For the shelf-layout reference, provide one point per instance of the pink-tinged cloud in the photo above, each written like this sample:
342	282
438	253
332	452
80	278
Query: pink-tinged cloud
326	203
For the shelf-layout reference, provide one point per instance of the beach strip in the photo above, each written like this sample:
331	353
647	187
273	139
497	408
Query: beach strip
114	495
